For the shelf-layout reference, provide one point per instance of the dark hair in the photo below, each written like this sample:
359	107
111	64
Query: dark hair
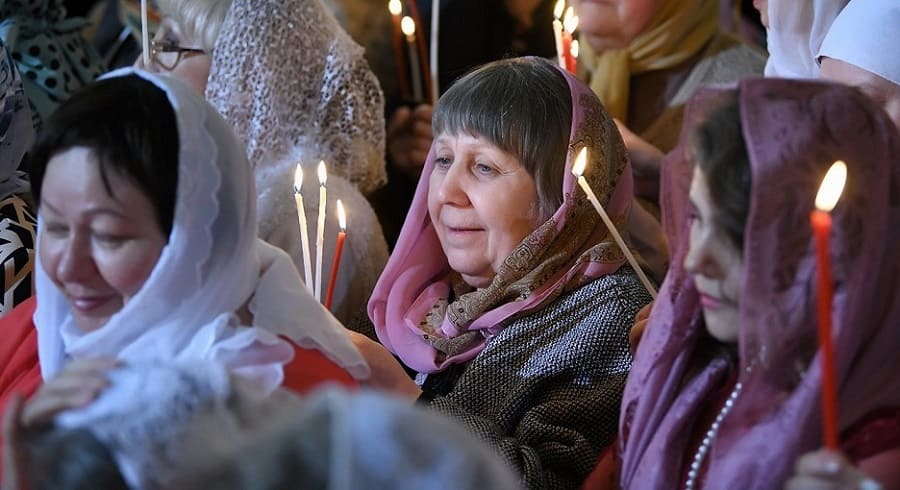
723	159
130	126
70	459
524	107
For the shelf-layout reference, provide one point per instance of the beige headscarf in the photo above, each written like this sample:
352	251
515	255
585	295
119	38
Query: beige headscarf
678	31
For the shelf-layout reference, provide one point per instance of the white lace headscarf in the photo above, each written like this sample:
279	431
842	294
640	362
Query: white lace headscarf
795	33
865	35
293	83
212	266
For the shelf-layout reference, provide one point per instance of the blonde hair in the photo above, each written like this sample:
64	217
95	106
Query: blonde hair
199	19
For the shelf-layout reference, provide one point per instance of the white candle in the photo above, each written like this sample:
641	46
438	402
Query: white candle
558	29
320	229
145	35
433	59
408	26
578	171
304	229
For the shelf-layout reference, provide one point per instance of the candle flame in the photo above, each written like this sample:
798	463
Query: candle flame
570	21
832	186
298	179
342	216
323	174
408	26
580	162
574	48
395	7
558	9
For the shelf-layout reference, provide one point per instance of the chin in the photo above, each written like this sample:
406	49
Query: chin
722	326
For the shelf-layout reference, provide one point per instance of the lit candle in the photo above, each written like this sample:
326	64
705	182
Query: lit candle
409	30
304	230
570	23
578	171
574	51
338	248
396	9
433	56
320	229
558	30
145	35
827	197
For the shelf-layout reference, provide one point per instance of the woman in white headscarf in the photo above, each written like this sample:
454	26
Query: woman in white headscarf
297	90
794	33
859	50
147	249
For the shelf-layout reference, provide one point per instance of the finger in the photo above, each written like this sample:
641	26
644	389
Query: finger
424	112
802	482
42	410
11	418
422	130
399	121
822	463
91	365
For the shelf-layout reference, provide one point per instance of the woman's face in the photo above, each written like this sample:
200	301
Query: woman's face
97	248
715	264
613	24
883	91
482	202
191	68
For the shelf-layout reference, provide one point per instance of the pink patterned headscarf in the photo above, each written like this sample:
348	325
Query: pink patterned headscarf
424	313
794	130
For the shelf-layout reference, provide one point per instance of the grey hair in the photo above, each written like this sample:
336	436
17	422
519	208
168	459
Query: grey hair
524	107
199	19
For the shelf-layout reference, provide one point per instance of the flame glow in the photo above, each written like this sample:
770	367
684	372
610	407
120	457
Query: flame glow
574	48
408	26
298	179
832	186
342	216
395	7
558	8
580	162
570	21
323	174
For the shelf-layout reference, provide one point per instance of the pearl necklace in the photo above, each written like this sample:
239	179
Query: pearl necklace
694	472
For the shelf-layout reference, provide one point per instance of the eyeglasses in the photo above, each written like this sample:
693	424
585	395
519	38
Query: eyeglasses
168	55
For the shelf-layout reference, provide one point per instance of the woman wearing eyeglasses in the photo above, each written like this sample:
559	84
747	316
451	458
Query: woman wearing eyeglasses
297	90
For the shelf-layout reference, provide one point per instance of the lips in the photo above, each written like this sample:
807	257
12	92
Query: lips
710	302
88	304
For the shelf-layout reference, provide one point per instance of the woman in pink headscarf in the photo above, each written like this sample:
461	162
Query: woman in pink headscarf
725	388
506	292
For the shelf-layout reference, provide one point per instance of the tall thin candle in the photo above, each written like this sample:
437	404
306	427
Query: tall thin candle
304	229
338	248
320	229
558	10
578	170
433	55
145	35
395	7
409	30
827	197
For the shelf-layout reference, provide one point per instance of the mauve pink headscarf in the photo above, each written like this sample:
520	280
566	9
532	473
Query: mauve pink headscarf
794	130
417	279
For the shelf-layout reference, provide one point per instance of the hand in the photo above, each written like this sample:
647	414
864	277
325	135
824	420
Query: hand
825	469
640	324
77	385
645	161
387	373
409	138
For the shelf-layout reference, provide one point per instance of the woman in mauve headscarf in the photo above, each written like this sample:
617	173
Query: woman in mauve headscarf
726	385
506	292
17	226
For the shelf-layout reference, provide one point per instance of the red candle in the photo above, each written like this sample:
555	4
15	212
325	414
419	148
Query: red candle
820	219
338	248
396	9
423	52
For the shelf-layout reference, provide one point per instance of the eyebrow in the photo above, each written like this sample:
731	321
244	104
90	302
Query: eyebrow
90	212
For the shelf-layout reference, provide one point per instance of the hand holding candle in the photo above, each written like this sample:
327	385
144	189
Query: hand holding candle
320	229
409	30
578	170
304	229
338	248
827	197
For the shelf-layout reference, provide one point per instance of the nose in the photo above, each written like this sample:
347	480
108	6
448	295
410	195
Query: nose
76	263
698	259
452	189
